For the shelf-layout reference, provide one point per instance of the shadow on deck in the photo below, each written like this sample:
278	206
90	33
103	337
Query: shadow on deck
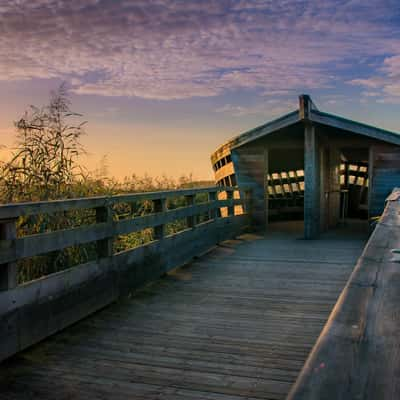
238	322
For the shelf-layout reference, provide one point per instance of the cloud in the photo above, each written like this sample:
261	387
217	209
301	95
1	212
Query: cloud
269	109
169	49
385	84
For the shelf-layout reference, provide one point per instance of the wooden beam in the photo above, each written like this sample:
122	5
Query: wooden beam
104	246
311	183
354	127
159	207
190	202
15	210
29	246
8	270
357	353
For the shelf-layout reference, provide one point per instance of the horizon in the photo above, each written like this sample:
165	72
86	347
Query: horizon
162	84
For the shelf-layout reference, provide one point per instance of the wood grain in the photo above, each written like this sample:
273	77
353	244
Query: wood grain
357	354
236	323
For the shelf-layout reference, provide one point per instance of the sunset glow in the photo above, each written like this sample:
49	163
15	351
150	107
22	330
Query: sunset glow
162	83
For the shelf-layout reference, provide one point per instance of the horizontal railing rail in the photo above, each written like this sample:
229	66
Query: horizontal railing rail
357	353
31	311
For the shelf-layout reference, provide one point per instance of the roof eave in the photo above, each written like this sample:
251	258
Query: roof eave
263	130
354	127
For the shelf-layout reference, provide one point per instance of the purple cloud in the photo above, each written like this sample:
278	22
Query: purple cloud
172	49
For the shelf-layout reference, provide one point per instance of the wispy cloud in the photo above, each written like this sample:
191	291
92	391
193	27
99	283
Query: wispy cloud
169	49
269	109
385	84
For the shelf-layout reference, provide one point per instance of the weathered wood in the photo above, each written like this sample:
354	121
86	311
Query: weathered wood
28	246
159	206
354	126
237	323
334	187
212	196
385	175
250	170
37	309
61	299
350	139
190	202
311	183
104	246
356	355
231	209
8	270
16	210
46	242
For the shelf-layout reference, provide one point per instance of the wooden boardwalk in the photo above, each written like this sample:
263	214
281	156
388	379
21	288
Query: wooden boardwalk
237	323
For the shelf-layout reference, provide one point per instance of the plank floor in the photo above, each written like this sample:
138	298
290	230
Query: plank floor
237	323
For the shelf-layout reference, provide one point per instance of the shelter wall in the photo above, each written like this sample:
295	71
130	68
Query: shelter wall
385	175
250	170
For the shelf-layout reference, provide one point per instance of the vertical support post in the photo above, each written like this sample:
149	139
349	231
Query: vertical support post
8	272
334	186
212	196
370	181
311	183
346	175
231	209
248	204
159	207
189	199
104	246
266	194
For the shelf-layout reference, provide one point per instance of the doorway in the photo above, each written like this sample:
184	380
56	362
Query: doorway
285	190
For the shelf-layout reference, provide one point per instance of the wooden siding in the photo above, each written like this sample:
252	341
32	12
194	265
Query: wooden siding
250	166
385	175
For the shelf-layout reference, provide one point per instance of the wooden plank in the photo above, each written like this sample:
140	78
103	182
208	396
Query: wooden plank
28	246
356	355
250	167
148	221
237	323
61	299
104	246
8	270
159	207
15	210
311	183
354	127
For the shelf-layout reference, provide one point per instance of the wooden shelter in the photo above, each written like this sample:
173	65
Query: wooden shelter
313	165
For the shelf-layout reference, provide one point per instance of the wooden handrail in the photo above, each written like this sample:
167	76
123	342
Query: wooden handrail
90	286
15	210
357	353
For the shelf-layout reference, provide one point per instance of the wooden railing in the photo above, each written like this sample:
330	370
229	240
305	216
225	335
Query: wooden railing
34	310
357	354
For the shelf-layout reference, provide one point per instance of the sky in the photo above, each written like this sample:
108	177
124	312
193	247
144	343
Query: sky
162	83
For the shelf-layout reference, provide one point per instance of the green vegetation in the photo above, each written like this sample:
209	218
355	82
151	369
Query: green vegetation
44	165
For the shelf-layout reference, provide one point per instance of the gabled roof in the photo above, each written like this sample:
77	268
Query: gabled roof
307	111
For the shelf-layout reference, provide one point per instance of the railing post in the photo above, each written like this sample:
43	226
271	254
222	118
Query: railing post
212	196
104	246
159	206
231	209
8	272
189	202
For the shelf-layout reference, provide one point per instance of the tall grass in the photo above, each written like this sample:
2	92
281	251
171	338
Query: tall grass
44	165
